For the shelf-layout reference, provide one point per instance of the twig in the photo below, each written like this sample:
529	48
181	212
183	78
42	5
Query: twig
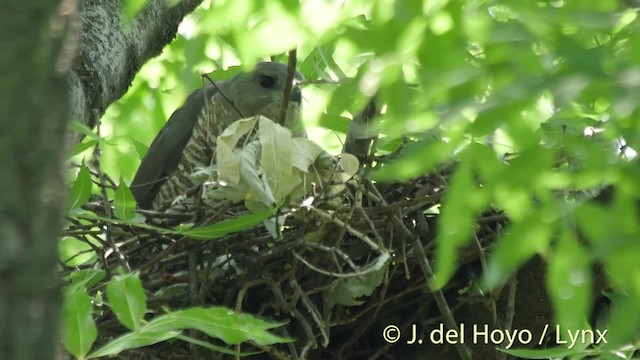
371	224
438	295
357	273
288	85
162	215
243	291
511	301
105	198
311	308
224	96
332	250
351	230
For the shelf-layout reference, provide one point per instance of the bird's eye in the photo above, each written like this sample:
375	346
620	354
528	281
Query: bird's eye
266	81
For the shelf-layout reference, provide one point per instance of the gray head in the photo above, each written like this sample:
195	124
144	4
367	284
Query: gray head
261	91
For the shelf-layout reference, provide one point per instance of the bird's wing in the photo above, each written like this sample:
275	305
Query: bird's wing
165	151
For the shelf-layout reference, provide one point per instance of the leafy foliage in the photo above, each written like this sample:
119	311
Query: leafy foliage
127	300
536	102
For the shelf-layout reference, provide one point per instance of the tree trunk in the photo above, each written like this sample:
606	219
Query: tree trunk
34	105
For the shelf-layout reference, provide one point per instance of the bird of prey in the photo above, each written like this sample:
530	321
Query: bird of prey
188	139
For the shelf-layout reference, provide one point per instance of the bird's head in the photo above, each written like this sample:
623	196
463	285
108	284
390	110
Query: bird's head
261	92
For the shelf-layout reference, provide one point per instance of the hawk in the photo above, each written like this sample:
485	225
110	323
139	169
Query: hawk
188	139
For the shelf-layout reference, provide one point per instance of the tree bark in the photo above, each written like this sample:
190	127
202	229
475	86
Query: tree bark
35	107
113	50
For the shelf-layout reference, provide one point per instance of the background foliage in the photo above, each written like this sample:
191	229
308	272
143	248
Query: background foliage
537	101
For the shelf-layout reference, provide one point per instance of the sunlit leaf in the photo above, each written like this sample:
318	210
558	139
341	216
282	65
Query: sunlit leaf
569	282
594	221
334	122
292	6
217	322
276	156
83	146
123	202
253	185
81	189
415	160
127	299
228	166
491	118
456	222
87	277
74	252
623	325
79	329
83	129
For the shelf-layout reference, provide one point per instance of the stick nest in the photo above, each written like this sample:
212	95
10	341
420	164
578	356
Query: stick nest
336	275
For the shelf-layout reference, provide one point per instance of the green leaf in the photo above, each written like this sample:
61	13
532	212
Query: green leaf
276	157
494	116
292	6
83	129
455	228
523	240
226	227
485	163
569	282
141	148
127	299
218	322
81	189
229	351
255	189
330	63
132	340
79	329
624	321
124	204
75	252
335	123
594	221
559	352
83	146
228	166
415	160
86	278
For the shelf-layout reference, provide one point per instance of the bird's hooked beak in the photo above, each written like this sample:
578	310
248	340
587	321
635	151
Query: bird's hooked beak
296	94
